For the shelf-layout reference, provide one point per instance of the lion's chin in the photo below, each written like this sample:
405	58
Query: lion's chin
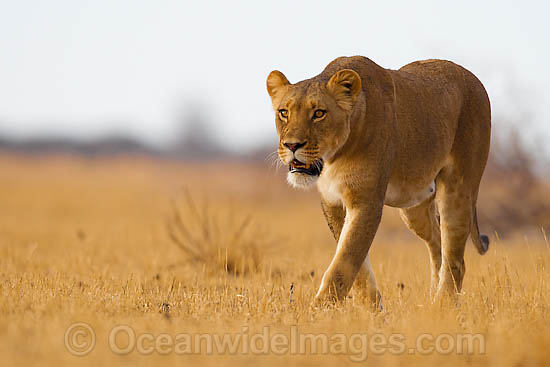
301	180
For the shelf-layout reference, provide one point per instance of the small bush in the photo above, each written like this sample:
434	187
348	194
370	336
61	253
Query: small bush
214	239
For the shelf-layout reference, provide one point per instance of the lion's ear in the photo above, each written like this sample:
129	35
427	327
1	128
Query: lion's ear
345	86
277	84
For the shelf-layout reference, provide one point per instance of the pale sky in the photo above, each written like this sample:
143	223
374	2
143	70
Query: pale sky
87	68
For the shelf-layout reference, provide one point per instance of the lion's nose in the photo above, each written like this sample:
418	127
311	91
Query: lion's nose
294	146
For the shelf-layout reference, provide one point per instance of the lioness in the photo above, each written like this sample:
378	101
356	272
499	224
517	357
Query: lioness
416	138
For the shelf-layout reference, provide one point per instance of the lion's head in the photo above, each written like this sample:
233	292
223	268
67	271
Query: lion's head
313	120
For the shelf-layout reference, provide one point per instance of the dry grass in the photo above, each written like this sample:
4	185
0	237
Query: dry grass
87	241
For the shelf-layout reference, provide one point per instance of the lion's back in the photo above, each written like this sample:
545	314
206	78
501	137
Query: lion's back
444	72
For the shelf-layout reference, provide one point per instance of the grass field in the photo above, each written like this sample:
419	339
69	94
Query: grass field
172	250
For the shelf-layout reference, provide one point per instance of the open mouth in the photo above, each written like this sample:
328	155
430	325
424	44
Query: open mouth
313	169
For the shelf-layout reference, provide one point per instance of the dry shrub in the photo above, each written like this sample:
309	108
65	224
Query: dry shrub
215	239
514	196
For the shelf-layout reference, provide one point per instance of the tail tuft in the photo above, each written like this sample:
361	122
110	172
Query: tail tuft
484	239
481	241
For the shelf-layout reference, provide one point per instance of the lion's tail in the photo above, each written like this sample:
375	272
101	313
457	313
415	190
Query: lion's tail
481	241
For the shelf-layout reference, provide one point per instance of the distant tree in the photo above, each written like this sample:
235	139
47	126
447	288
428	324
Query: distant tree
514	193
194	134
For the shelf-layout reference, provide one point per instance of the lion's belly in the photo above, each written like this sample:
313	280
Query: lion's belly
401	197
398	196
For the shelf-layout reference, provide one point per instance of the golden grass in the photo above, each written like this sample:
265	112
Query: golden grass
87	241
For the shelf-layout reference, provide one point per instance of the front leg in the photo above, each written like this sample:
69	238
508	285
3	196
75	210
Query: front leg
335	215
365	282
357	233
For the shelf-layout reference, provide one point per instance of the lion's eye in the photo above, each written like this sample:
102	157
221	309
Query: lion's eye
319	114
283	114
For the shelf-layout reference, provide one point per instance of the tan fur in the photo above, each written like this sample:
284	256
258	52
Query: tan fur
386	138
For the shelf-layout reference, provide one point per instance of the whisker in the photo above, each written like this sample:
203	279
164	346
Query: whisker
270	156
318	165
274	161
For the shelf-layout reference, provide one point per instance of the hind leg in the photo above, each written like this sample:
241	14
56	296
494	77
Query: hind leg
457	186
454	201
422	221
